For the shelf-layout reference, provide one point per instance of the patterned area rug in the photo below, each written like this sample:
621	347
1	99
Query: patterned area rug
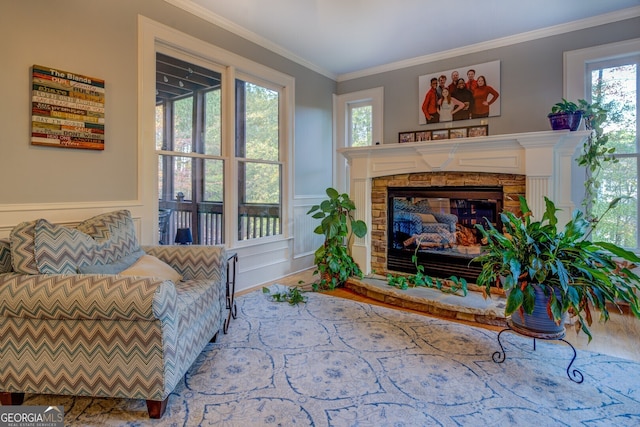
335	362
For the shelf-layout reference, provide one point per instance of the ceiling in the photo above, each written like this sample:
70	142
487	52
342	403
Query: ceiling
342	37
176	78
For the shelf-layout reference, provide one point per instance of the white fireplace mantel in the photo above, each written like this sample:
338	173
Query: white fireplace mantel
545	158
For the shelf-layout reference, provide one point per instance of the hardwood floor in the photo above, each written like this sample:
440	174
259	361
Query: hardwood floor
619	337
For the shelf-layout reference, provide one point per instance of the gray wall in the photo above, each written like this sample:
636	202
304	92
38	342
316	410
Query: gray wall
531	80
99	39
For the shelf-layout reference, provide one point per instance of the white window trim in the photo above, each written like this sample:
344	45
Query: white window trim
151	35
341	109
575	87
575	61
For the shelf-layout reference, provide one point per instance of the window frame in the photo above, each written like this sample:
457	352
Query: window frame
577	65
342	106
154	37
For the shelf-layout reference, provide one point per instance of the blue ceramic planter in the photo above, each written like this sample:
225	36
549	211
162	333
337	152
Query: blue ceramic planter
539	320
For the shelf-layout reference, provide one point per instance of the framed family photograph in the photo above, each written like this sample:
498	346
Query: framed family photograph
461	93
406	137
458	133
439	134
482	130
423	136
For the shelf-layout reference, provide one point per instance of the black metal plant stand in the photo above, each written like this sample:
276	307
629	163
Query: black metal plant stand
499	356
232	270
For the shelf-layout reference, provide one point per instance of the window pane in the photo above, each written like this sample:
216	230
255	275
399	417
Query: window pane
213	180
620	225
212	122
263	183
210	210
361	126
257	127
182	177
159	127
615	89
183	125
259	198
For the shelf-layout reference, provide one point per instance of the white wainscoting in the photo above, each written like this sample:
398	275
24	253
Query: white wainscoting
258	263
305	240
64	213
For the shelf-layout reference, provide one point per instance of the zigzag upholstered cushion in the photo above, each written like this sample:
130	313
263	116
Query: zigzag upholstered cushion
5	256
115	227
60	249
41	247
23	255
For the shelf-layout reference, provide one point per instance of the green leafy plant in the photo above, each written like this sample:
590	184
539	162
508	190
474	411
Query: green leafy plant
565	107
453	285
595	153
574	272
338	225
293	295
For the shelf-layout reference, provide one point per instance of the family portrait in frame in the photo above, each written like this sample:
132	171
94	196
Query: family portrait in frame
462	93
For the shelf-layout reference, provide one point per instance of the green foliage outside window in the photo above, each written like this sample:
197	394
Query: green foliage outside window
614	89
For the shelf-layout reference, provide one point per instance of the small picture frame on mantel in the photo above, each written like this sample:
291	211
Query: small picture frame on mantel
439	134
406	137
458	133
482	130
424	135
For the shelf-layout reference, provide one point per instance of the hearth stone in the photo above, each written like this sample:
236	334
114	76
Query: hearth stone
470	308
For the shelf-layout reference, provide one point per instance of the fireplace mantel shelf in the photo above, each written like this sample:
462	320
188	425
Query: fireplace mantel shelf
545	158
496	153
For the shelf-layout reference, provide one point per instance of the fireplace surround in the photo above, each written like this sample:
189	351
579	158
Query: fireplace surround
534	164
436	224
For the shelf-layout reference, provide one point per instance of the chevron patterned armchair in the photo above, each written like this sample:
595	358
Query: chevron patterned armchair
76	323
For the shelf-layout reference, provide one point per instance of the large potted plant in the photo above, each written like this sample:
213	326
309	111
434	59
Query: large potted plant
573	275
565	115
338	225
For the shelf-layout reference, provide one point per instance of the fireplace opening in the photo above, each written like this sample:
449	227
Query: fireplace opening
437	224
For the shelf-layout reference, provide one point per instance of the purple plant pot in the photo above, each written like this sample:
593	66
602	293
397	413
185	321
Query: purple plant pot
569	121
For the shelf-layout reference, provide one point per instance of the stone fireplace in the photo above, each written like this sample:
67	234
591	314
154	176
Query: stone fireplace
452	202
534	164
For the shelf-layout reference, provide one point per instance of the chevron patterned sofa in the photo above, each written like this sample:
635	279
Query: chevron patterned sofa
79	316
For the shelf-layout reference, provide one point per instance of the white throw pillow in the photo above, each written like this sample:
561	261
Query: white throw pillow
150	266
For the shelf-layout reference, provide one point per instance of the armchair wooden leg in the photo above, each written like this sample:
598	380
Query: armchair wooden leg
156	408
8	398
214	338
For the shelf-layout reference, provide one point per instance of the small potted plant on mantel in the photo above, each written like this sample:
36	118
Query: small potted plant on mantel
565	115
333	259
548	273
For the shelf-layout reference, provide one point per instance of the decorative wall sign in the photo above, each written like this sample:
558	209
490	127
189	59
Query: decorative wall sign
67	109
438	134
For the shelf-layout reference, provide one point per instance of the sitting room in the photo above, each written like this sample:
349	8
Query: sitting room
164	157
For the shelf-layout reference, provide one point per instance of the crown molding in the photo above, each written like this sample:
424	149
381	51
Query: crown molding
620	15
207	15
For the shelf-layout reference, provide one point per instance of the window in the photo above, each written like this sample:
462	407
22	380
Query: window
614	85
259	167
359	122
196	166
